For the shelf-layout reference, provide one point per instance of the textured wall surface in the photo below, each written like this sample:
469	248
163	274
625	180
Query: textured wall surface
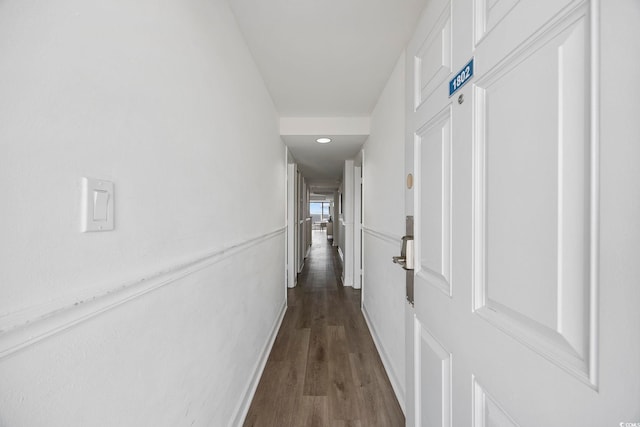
162	321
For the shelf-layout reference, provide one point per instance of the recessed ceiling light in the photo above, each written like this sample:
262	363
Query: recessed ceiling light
323	140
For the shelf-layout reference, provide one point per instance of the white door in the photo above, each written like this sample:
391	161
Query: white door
526	203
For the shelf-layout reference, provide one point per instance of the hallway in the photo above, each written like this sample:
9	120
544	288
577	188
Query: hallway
324	369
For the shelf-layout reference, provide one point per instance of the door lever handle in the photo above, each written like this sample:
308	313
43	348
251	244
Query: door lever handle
405	260
400	260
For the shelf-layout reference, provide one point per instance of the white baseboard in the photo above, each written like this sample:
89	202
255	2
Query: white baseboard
245	403
395	384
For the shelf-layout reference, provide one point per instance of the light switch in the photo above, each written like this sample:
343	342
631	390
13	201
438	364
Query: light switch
97	205
100	205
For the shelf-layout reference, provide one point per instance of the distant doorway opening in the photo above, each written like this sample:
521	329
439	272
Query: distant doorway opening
320	218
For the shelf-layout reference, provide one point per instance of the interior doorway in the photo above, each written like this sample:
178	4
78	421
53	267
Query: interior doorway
321	220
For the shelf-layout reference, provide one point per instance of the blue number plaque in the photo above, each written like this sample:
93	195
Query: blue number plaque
460	79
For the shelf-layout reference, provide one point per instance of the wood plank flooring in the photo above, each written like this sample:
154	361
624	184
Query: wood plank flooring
324	369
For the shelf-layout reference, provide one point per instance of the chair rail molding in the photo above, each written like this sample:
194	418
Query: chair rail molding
28	326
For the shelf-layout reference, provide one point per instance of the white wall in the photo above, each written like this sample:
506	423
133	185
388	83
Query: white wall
384	225
163	321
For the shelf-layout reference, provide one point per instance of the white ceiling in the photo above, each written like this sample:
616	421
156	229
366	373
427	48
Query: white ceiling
322	164
325	58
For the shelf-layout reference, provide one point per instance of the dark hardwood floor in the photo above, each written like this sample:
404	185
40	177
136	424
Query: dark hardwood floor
324	369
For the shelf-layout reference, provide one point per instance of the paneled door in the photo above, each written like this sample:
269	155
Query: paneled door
521	316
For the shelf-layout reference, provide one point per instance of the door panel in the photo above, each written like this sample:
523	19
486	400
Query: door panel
434	385
533	185
511	278
510	24
487	412
433	60
488	13
433	177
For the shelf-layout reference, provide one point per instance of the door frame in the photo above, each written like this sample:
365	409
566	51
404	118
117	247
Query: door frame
357	227
291	226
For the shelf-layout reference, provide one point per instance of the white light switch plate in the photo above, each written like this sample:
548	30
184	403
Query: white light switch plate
97	205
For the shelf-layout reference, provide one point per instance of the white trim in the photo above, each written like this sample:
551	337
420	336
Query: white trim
291	226
286	221
383	235
243	406
393	378
348	221
594	226
357	227
27	327
361	221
